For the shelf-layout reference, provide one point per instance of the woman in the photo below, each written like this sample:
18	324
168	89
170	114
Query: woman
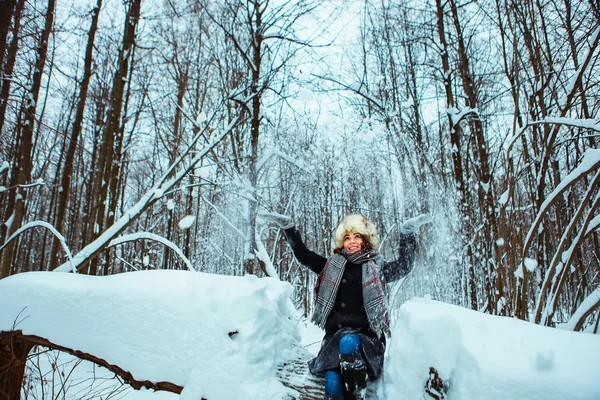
350	303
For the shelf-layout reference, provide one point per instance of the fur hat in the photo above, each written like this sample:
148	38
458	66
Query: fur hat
360	224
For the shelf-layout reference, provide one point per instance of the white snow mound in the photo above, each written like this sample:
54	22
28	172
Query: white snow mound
176	326
180	326
487	357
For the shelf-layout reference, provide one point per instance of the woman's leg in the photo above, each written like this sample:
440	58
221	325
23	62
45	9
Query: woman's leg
350	343
334	388
352	365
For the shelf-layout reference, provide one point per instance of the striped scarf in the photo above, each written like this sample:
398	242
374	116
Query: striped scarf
328	284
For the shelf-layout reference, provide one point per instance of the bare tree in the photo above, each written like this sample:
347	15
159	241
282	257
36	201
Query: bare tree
111	143
23	166
65	183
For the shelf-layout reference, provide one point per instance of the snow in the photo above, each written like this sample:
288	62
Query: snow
176	325
186	222
530	264
165	325
487	357
201	118
5	165
170	205
503	198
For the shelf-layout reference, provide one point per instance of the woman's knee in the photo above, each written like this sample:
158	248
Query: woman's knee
350	343
333	383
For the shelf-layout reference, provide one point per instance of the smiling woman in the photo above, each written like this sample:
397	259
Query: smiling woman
351	304
353	242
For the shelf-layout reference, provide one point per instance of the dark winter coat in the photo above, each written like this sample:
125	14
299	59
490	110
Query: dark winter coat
348	314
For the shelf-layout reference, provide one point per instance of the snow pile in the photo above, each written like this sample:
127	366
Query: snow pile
222	337
487	357
219	336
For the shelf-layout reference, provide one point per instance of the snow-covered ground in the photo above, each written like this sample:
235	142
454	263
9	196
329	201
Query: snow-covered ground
175	326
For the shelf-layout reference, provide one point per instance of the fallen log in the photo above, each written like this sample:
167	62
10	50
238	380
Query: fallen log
15	346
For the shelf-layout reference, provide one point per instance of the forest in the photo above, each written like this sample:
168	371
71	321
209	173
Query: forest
140	135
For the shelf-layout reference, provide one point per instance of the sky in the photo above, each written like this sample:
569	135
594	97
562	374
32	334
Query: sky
175	326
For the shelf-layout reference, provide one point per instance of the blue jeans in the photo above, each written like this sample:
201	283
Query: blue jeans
334	385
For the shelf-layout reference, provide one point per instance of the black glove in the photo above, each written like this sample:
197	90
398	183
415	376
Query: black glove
283	221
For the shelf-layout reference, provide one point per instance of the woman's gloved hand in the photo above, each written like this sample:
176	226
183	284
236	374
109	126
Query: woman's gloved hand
283	221
412	225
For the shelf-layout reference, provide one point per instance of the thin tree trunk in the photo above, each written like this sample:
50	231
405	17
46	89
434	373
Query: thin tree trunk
112	136
455	142
485	188
250	261
7	9
24	161
10	59
65	183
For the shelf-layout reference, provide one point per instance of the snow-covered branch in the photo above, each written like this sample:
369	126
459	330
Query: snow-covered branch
263	256
152	195
353	89
52	229
151	236
562	258
223	217
39	182
588	123
590	162
456	116
587	306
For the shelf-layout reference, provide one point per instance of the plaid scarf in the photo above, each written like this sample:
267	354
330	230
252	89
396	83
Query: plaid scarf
328	284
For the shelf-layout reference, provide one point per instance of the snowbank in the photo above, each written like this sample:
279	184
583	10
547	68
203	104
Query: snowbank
180	326
487	357
219	336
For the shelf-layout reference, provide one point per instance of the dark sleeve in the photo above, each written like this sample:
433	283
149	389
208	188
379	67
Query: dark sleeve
310	259
394	270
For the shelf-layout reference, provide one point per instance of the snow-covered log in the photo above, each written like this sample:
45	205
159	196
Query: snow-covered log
293	374
224	337
13	340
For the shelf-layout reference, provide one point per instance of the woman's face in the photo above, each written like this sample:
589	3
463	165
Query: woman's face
353	242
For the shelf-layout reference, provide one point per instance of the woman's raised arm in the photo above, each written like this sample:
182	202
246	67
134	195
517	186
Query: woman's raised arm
399	268
310	259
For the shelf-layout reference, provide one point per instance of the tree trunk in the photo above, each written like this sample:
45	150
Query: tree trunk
13	357
65	184
112	136
7	8
455	142
24	161
11	56
251	262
